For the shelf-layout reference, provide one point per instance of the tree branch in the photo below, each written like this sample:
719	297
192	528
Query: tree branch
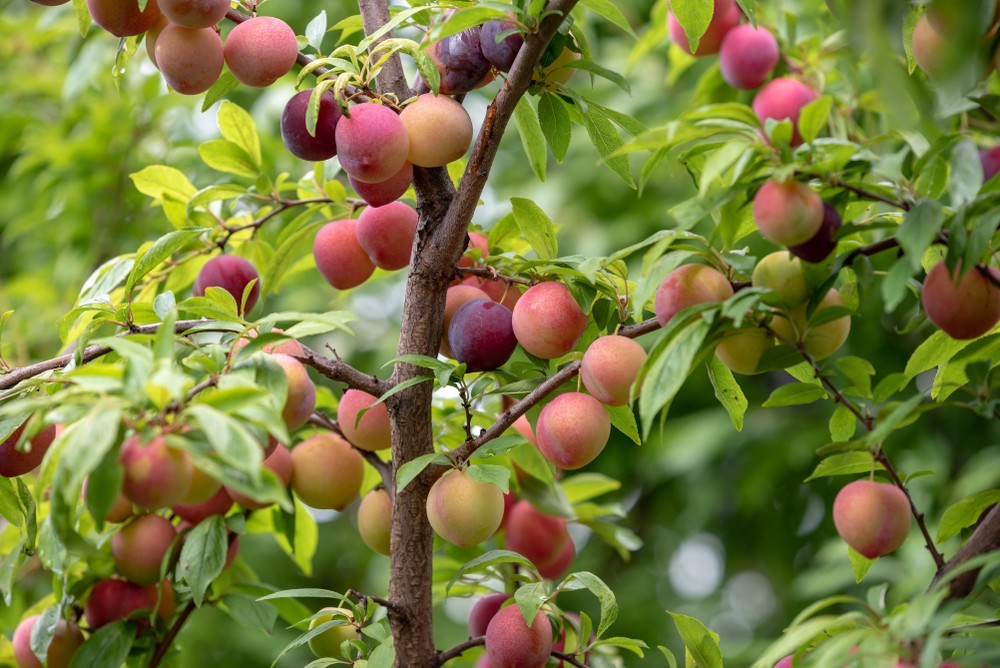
985	539
444	656
340	371
168	640
857	190
568	658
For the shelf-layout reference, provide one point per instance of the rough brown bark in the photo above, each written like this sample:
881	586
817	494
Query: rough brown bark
985	539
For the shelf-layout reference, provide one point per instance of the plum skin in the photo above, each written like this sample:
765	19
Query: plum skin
295	135
688	285
229	272
261	50
481	334
963	308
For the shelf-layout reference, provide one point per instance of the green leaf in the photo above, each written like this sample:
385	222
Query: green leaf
163	183
556	126
238	127
585	486
966	173
225	156
248	613
532	138
795	394
843	424
889	423
965	513
537	228
107	646
847	463
728	391
919	229
464	19
606	597
488	561
936	349
860	563
623	419
491	473
411	469
530	598
204	555
609	11
9	565
813	117
224	85
668	366
607	141
315	30
694	16
161	249
307	592
702	643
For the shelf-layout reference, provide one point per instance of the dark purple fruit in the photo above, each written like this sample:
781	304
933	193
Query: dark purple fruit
501	55
232	274
460	61
481	334
297	139
822	244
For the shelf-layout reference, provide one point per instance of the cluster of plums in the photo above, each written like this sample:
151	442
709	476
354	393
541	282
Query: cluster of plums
511	641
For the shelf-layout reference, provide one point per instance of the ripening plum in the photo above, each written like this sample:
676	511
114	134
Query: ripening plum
819	342
380	194
66	639
261	50
536	536
725	17
194	13
747	56
140	546
560	565
278	462
688	285
547	320
113	599
460	62
229	272
372	143
156	475
372	432
14	461
375	520
819	247
523	427
300	401
481	335
327	644
872	517
477	241
990	160
202	488
150	38
322	145
483	611
326	471
784	98
610	367
787	213
190	59
572	430
464	511
456	296
782	272
339	257
963	308
743	349
122	18
511	643
439	129
219	504
386	233
500	54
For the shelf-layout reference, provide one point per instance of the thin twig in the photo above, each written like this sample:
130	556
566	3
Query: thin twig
857	190
489	273
168	640
338	370
568	658
388	605
883	459
444	656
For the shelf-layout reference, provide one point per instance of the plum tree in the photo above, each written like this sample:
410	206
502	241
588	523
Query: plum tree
501	52
194	13
788	213
610	367
301	397
326	471
481	334
156	475
261	50
483	611
140	547
511	642
339	257
439	130
872	517
964	306
375	520
747	56
17	458
123	18
384	192
783	99
321	144
782	272
327	644
372	431
66	640
725	16
547	320
572	430
463	510
372	143
386	233
460	61
231	273
823	243
688	285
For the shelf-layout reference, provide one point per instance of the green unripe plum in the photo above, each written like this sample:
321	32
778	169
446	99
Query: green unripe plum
339	257
572	430
326	471
688	285
375	520
782	272
14	461
386	233
610	367
782	99
300	401
725	16
538	537
380	194
439	129
66	639
787	213
872	517
190	59
327	644
742	350
547	320
140	546
963	308
372	432
261	50
122	18
372	143
463	511
511	643
194	13
278	462
156	475
219	504
456	296
820	342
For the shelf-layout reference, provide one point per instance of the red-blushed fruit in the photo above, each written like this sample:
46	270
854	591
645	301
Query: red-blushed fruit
15	462
190	59
66	639
150	38
326	471
508	502
536	536
322	144
375	520
963	307
286	347
572	430
202	488
327	644
140	546
500	54
460	62
372	143
787	213
464	511
747	56
743	349
484	662
477	241
496	289
481	335
610	367
456	296
113	599
781	272
786	662
270	446
483	611
261	50
229	272
547	320
439	130
929	47
688	285
122	18
558	568
523	427
380	194
784	98
156	475
280	463
300	401
819	342
872	517
194	13
819	247
725	17
989	158
372	432
511	643
386	233
339	257
219	504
